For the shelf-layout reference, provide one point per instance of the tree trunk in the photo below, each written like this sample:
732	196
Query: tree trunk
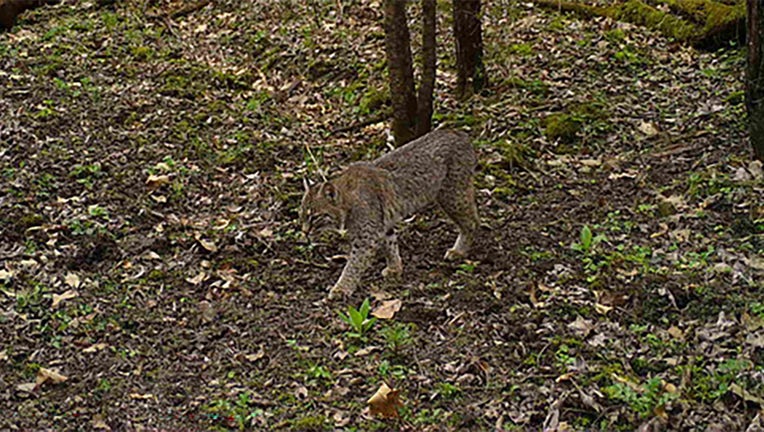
469	48
755	79
399	64
11	9
427	85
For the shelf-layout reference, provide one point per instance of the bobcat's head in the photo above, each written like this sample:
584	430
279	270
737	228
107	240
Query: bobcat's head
320	209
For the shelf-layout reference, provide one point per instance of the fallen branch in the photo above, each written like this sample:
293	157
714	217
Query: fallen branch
702	23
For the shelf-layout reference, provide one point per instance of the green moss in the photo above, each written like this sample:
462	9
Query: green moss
30	220
373	99
523	49
736	97
636	12
142	53
309	424
561	127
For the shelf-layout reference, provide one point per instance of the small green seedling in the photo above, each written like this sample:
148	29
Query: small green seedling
358	319
587	241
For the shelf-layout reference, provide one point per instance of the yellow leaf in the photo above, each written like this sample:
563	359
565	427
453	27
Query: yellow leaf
388	309
385	402
58	298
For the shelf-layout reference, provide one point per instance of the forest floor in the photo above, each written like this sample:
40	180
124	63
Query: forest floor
152	273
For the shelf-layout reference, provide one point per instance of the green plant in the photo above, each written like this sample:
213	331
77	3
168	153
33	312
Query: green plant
447	390
397	336
236	413
587	241
358	320
644	400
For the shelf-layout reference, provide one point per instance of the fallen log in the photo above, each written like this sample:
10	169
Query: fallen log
705	24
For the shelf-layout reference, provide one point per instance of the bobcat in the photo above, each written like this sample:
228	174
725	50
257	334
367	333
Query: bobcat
369	198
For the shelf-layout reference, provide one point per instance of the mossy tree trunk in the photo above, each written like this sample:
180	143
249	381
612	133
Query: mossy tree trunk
429	60
468	34
755	78
401	71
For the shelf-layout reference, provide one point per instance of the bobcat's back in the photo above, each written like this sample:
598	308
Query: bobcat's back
419	169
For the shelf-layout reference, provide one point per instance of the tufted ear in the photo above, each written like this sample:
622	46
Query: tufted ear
329	192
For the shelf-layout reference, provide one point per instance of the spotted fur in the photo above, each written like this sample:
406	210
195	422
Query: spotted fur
368	199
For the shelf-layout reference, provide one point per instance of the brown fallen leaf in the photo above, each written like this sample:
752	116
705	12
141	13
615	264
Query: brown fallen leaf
746	395
387	309
5	275
676	332
648	129
602	309
44	375
385	402
534	300
95	347
366	351
26	387
256	356
196	280
155	181
206	244
97	422
58	298
72	280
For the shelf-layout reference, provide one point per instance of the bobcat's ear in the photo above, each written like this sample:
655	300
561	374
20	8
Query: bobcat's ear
329	192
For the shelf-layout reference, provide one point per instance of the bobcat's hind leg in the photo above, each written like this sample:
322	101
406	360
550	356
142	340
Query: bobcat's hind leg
392	256
459	204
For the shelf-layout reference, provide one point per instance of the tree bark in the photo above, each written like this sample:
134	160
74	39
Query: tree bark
399	64
427	85
469	48
755	78
11	9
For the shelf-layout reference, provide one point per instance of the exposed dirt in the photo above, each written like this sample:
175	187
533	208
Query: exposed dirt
149	250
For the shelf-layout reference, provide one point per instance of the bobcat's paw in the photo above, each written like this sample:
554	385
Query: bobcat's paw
339	291
454	255
392	271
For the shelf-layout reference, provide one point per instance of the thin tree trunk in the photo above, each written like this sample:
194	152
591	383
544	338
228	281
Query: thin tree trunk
755	79
469	48
427	85
399	63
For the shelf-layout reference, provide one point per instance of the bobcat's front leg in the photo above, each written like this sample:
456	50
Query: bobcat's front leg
361	254
392	256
